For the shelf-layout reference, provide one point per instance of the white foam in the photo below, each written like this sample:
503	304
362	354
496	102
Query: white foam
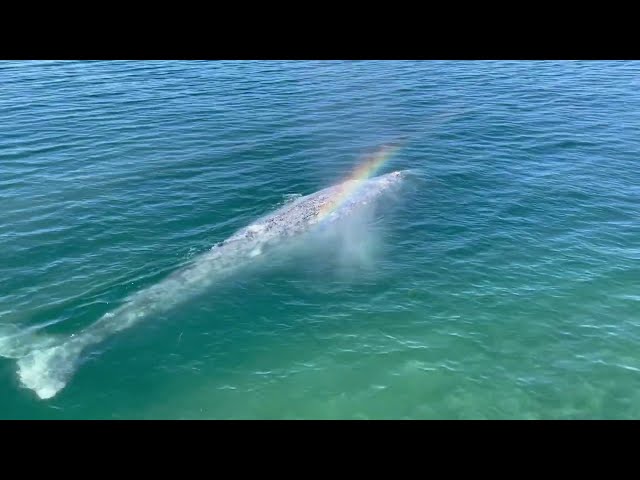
46	371
44	364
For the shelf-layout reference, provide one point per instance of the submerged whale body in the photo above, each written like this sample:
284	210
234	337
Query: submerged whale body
47	369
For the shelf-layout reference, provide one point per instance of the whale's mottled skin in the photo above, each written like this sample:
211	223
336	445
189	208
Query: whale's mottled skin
299	216
47	370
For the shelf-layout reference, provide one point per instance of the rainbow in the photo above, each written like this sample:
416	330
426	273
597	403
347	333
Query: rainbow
362	172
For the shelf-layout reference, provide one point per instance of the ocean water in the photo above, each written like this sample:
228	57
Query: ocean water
503	282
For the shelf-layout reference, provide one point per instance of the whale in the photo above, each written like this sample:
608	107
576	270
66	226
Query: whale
47	367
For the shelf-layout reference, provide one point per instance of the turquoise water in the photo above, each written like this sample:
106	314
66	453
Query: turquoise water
502	283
